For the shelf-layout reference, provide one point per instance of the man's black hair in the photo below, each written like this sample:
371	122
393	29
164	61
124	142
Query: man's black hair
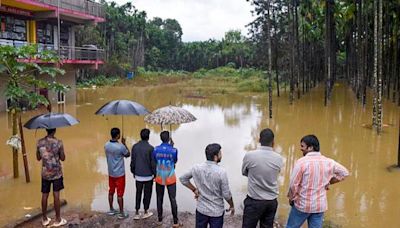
164	136
115	132
145	134
266	137
311	140
51	131
212	150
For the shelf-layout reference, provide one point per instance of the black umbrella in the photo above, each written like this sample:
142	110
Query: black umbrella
51	120
122	107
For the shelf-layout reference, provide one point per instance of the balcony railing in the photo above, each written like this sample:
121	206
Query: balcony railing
81	53
76	53
84	6
91	52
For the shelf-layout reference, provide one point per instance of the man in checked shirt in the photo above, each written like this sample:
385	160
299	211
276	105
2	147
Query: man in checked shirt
211	189
309	181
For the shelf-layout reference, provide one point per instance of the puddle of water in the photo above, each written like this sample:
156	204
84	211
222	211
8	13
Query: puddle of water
368	198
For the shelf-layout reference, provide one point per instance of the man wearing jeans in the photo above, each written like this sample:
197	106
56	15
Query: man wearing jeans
166	157
262	167
309	181
143	167
211	189
115	153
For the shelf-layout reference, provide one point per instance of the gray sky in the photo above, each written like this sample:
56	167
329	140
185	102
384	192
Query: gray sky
200	19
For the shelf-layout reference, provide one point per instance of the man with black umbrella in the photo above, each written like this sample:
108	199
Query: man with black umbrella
115	153
51	151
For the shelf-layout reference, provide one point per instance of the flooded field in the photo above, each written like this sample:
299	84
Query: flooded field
368	198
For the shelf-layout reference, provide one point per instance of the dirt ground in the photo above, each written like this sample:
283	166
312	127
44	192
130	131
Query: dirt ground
97	219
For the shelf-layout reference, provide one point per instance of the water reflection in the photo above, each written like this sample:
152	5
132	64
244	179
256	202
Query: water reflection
234	121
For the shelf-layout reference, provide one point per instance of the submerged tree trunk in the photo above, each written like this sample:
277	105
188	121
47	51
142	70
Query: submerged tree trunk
269	59
276	58
297	46
375	80
14	114
380	67
291	90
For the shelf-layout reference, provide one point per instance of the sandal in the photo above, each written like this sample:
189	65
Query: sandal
47	222
61	223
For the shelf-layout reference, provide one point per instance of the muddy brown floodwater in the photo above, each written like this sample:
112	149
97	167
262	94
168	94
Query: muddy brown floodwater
370	197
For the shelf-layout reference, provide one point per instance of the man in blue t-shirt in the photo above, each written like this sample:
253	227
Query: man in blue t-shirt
166	157
115	153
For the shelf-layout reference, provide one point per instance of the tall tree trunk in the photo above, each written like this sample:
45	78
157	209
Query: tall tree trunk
14	114
269	59
375	81
380	67
297	55
292	58
276	53
328	46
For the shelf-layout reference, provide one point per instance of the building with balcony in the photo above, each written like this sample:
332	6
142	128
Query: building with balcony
51	25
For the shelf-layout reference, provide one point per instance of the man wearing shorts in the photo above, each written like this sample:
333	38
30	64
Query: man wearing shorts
115	153
51	151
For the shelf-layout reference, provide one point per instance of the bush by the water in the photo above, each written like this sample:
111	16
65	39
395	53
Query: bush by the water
100	80
242	79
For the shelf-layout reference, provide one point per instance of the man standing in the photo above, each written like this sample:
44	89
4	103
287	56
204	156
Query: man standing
310	178
212	185
262	167
166	157
115	153
143	167
51	151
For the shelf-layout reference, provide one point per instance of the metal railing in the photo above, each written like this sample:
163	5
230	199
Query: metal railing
66	52
81	53
84	6
76	53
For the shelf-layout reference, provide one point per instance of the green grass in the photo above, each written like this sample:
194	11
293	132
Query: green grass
225	79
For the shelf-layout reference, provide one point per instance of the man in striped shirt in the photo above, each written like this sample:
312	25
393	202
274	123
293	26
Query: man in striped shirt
309	181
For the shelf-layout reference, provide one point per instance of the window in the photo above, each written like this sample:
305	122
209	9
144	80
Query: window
13	28
44	33
60	97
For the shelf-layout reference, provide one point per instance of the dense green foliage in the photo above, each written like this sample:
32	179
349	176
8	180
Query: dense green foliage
132	41
21	75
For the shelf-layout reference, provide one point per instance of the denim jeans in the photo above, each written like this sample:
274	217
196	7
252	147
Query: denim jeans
202	221
297	218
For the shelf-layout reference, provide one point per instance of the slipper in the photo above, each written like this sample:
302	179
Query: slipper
61	223
47	222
